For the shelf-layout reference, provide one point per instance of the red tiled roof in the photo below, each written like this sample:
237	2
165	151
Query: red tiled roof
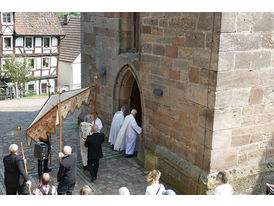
37	23
70	46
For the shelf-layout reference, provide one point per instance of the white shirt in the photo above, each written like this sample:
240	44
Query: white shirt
224	189
152	189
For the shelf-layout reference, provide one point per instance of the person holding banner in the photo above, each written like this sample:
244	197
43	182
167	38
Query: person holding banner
85	130
16	178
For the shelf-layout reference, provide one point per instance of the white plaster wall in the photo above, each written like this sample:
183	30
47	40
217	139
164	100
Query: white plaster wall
76	73
53	61
65	73
38	62
38	41
19	41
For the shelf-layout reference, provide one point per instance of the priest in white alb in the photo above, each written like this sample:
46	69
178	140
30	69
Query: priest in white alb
116	124
128	135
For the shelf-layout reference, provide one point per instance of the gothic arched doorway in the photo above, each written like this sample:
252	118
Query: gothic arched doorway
127	91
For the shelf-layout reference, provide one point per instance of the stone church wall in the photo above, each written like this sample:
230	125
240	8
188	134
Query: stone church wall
243	127
216	74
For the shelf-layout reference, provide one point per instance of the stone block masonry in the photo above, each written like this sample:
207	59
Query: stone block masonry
216	72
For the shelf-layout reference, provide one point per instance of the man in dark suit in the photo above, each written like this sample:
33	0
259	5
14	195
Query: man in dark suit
67	172
16	179
94	145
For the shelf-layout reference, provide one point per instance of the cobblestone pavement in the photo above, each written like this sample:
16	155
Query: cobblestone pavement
114	172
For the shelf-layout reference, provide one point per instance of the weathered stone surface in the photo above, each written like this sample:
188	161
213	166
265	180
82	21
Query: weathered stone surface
263	22
146	29
240	97
226	61
256	95
194	75
205	22
195	39
239	42
175	75
237	79
185	53
201	58
221	139
147	48
228	22
157	31
240	140
182	23
226	119
171	51
177	41
244	22
269	94
89	39
180	65
158	49
223	99
197	94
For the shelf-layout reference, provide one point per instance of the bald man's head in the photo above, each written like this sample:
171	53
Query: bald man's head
45	179
134	112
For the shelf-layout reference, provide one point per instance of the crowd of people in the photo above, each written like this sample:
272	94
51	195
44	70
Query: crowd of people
123	136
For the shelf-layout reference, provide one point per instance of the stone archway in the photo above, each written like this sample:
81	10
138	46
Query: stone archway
127	91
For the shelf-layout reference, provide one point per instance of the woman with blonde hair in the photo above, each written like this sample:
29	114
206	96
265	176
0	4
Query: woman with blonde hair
86	190
154	188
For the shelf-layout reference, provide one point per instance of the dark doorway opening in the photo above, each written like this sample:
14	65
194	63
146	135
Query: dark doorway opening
135	103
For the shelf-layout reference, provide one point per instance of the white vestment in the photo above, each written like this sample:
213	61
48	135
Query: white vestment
116	124
85	130
98	122
129	132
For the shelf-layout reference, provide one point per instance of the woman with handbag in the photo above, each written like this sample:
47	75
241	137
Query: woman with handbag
154	188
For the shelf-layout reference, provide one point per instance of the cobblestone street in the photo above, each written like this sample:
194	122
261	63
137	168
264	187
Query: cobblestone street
115	171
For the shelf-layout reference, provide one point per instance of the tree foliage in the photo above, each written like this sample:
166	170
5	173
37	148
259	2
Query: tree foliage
71	14
17	71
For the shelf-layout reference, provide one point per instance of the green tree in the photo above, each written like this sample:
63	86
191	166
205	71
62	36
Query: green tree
17	71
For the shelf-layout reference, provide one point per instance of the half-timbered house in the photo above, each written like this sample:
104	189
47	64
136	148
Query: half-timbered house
36	37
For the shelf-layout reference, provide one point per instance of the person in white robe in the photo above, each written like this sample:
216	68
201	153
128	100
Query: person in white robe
85	130
116	124
128	134
98	122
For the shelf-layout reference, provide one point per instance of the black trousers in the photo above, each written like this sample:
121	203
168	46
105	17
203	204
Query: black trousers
65	189
40	165
93	166
21	190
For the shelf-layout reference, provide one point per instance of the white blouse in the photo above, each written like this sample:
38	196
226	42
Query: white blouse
224	189
152	189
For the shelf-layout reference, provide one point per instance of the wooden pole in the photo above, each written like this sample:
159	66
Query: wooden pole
60	122
23	154
50	158
95	99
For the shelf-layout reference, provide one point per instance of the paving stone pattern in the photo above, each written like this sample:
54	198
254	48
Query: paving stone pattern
115	171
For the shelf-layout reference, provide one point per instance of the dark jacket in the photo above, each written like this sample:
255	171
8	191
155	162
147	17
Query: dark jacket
94	145
15	174
67	170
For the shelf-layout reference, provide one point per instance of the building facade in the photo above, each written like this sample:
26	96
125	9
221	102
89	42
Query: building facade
35	36
69	71
203	87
